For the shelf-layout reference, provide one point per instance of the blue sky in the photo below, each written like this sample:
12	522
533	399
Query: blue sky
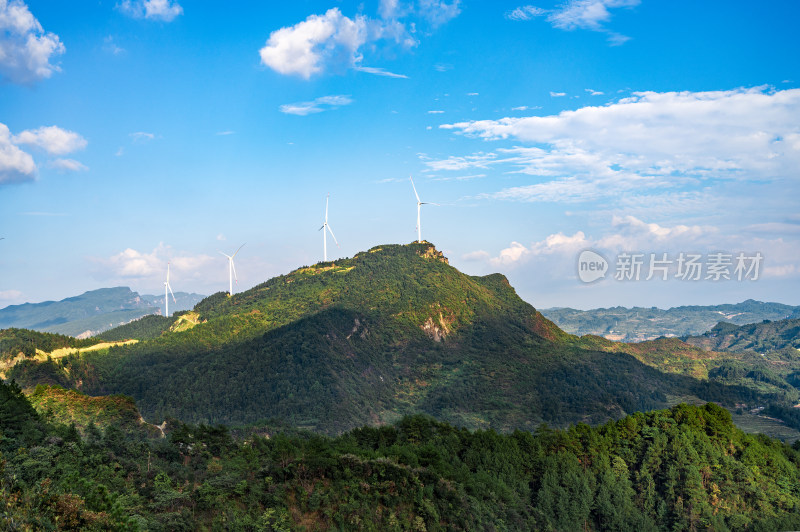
139	132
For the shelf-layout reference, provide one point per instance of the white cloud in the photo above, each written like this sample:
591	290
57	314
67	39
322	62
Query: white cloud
577	14
472	94
133	264
15	164
478	160
526	13
442	67
438	12
67	165
10	295
303	49
626	234
323	103
593	92
25	48
141	136
435	112
165	10
111	47
333	40
52	139
647	141
380	72
225	133
557	94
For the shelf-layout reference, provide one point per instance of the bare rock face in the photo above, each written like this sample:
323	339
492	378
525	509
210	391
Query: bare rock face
437	331
432	253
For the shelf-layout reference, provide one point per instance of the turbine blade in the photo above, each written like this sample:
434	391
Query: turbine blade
429	203
224	254
237	251
234	272
321	228
168	273
415	188
326	206
334	236
171	292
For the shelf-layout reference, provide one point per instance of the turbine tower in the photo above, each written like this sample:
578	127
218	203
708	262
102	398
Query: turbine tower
324	235
232	270
419	208
166	299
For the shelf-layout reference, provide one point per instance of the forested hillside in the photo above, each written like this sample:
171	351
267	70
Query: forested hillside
687	468
391	332
764	337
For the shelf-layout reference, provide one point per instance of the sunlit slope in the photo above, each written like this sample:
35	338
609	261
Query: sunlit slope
392	331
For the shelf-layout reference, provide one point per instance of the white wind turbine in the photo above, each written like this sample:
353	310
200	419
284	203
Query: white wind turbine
324	235
232	270
166	299
419	208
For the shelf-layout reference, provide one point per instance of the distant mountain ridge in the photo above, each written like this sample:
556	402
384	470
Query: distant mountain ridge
638	324
764	337
90	313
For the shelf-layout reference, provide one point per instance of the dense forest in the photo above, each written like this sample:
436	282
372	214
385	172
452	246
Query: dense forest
687	468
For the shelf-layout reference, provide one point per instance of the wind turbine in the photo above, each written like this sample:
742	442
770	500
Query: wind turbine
166	299
419	208
324	235
232	270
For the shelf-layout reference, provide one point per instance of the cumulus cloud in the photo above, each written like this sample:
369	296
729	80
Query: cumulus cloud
25	48
334	40
577	14
133	264
17	165
52	139
647	141
164	10
304	48
323	103
624	234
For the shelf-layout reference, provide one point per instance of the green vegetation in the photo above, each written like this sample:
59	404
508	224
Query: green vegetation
683	469
391	332
14	342
144	328
638	323
765	337
68	407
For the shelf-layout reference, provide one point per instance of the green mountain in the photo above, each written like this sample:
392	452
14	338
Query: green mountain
765	337
392	331
638	324
89	313
687	468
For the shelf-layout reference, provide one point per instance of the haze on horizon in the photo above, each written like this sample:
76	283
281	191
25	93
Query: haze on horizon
142	132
